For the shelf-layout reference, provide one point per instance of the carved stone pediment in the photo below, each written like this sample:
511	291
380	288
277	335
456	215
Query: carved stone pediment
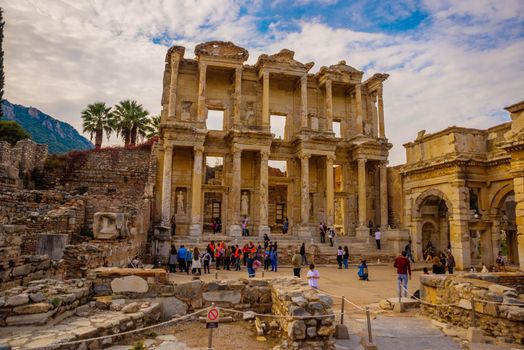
222	49
286	57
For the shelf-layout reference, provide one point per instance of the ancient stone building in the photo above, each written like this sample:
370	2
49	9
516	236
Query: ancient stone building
223	157
464	188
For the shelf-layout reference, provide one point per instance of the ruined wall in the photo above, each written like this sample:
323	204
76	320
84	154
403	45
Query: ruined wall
18	161
499	310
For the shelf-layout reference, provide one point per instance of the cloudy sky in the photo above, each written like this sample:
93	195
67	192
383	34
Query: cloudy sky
450	62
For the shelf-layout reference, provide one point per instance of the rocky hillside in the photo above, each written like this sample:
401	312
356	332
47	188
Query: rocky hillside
60	137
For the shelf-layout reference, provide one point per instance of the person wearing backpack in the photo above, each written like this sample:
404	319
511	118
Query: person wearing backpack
331	235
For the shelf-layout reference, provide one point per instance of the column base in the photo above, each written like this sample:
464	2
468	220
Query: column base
304	231
235	230
195	230
264	230
162	233
362	232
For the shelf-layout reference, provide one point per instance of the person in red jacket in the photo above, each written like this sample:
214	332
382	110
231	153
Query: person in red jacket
403	270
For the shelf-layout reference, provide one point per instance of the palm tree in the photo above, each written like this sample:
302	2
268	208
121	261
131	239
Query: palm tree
154	126
131	121
97	119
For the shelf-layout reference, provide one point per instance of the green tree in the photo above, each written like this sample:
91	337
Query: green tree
131	121
12	132
2	76
154	126
97	120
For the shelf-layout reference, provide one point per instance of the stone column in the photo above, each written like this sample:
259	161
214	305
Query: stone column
362	230
238	96
380	104
265	99
303	102
518	187
175	60
360	114
166	185
458	224
195	229
263	226
304	195
383	169
201	107
329	106
234	194
330	191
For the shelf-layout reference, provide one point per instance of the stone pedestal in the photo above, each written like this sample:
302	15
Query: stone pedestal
362	232
262	230
195	230
235	230
474	335
397	239
304	231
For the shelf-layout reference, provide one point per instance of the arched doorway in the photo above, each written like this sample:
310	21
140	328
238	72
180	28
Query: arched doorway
433	214
508	229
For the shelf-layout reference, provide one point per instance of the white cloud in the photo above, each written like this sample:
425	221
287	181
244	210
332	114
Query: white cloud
460	68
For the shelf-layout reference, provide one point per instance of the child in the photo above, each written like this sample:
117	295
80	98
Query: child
363	270
313	276
501	264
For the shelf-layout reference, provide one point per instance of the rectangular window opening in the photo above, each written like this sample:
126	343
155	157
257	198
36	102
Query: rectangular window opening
336	128
278	126
215	119
277	168
214	170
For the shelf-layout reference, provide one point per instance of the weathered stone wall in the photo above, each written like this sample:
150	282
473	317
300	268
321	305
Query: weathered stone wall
22	270
494	318
18	161
395	197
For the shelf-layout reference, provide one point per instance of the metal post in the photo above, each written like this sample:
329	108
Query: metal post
342	311
262	274
473	319
216	275
210	339
370	336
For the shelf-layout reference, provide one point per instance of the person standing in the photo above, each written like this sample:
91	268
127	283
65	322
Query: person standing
409	251
303	253
501	263
340	255
206	259
182	258
250	270
345	257
322	233
274	259
450	262
173	225
196	264
403	270
238	256
267	260
189	260
331	235
285	226
296	262
266	240
313	276
378	236
227	258
173	257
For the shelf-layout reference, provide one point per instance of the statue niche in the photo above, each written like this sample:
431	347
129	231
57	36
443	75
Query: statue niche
244	204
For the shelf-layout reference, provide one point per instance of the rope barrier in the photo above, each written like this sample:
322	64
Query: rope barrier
280	316
52	346
498	303
344	298
425	302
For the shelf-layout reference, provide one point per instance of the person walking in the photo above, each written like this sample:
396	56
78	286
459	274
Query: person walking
303	253
331	235
267	259
378	236
206	260
409	251
227	258
250	270
273	255
238	257
313	276
322	233
363	273
450	262
189	260
345	257
296	261
340	255
196	264
173	257
182	258
403	270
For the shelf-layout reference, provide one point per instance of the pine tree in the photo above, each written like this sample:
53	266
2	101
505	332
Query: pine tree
2	77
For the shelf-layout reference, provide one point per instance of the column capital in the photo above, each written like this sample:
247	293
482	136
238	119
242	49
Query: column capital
383	164
198	148
362	160
168	147
236	149
331	157
304	156
202	65
265	153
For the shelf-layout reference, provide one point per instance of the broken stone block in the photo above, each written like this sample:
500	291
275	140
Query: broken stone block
108	225
131	308
16	300
129	284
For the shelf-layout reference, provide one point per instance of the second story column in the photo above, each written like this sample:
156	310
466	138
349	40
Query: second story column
201	107
173	82
329	106
330	190
166	185
383	169
303	102
265	99
264	228
238	96
380	106
360	115
195	228
304	188
362	200
234	193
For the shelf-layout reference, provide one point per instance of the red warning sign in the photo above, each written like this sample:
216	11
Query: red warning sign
212	315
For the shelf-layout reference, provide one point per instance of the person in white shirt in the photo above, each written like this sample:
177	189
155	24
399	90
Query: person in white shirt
313	276
378	235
